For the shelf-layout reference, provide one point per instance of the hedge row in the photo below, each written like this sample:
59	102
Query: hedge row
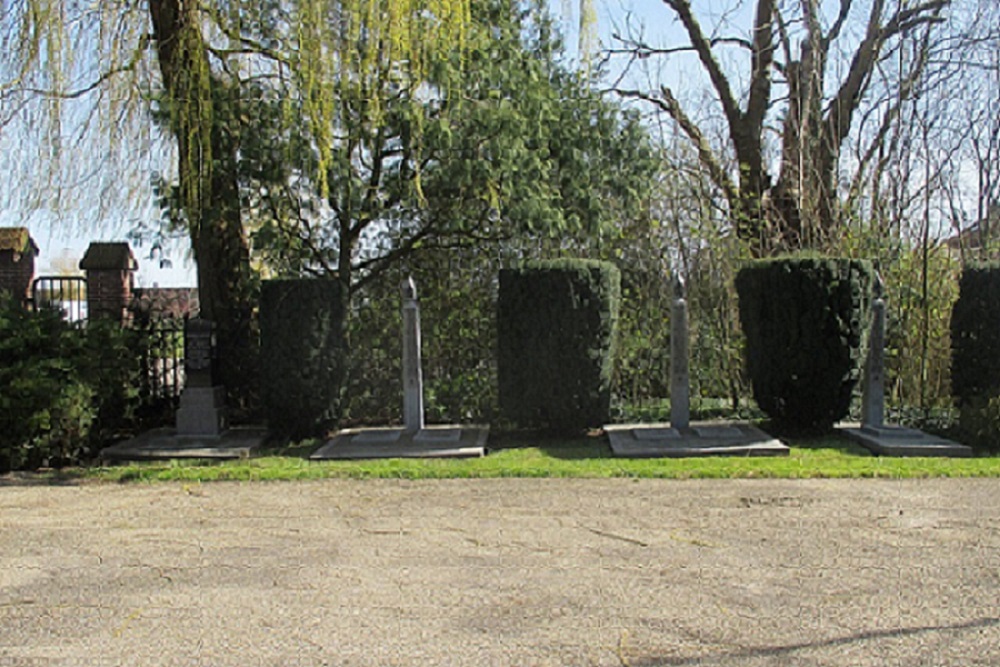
557	323
302	351
975	340
804	320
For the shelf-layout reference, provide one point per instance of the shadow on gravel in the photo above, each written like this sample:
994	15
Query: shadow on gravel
791	649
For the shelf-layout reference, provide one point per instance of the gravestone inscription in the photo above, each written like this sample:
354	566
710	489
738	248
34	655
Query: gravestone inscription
202	410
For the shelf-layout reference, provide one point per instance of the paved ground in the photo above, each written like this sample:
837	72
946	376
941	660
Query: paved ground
502	572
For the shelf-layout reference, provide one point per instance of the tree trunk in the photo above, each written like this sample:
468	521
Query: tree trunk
200	106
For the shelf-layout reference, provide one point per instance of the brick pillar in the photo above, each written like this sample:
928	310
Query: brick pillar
17	262
109	268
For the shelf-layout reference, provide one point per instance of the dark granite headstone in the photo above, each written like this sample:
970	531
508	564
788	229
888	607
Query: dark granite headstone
199	353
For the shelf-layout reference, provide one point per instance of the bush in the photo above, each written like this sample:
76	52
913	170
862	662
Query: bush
303	353
975	335
975	354
979	423
62	389
557	323
804	323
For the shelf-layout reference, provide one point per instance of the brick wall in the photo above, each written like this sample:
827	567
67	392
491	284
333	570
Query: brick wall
16	273
109	292
109	268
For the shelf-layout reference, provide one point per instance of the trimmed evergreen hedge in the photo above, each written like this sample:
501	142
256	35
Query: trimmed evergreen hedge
303	350
557	323
975	334
975	355
804	320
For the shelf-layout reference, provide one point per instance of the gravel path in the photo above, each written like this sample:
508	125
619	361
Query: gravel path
502	572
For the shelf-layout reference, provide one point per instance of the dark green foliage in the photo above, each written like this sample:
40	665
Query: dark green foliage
302	354
975	334
557	324
63	390
804	322
975	355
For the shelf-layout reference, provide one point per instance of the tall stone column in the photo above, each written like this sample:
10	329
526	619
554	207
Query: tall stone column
413	383
680	380
873	394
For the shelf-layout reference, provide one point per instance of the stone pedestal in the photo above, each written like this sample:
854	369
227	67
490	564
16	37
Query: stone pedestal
414	439
202	430
681	438
202	411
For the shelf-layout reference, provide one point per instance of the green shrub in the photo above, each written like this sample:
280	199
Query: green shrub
557	323
975	335
56	396
302	354
975	356
979	423
804	322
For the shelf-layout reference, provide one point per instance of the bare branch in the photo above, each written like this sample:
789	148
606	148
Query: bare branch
706	156
702	46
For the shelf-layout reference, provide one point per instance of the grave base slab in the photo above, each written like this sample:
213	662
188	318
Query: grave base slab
902	441
166	443
699	439
466	441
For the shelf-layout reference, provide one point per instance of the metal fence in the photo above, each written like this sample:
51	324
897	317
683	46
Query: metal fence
67	294
161	358
159	340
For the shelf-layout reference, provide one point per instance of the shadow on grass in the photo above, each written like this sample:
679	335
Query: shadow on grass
299	449
567	447
813	439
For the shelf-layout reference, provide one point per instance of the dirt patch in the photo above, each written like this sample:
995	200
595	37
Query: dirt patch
502	572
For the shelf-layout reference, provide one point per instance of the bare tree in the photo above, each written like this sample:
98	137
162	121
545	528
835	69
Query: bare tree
810	75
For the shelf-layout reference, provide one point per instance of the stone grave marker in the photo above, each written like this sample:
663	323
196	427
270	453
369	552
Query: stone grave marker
680	380
202	429
415	439
874	434
202	410
413	379
681	438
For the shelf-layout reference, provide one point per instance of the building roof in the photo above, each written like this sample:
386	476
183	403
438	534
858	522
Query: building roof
17	239
978	234
108	256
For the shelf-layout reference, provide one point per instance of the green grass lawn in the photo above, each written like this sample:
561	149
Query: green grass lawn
517	455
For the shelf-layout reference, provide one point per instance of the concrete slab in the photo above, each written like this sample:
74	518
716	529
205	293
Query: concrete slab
902	441
165	443
397	443
701	439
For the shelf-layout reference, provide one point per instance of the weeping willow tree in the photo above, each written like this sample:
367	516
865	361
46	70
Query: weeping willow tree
192	60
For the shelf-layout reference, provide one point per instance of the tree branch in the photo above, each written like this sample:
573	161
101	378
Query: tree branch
706	156
703	48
